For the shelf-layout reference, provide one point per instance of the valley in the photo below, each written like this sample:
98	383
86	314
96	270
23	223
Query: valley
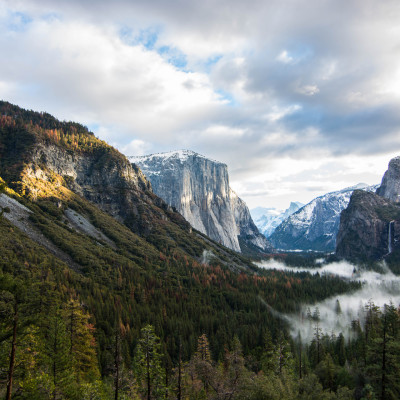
100	274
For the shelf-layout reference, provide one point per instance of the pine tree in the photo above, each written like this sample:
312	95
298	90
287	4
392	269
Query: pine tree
58	354
82	345
383	354
15	308
148	364
267	357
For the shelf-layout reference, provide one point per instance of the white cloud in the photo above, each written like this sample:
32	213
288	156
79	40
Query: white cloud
308	90
222	131
136	147
266	87
284	57
89	68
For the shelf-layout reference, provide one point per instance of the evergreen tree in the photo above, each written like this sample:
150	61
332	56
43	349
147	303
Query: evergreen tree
58	355
15	308
82	345
383	354
148	365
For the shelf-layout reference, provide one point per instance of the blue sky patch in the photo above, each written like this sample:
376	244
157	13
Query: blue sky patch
227	97
18	21
146	37
211	61
173	56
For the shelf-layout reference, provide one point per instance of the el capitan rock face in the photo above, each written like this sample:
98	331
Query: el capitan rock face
199	189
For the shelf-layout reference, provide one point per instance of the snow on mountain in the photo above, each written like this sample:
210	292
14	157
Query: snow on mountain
315	226
170	156
199	189
268	219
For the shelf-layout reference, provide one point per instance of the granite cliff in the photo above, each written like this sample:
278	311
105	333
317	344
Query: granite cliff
199	189
370	226
247	232
390	186
103	176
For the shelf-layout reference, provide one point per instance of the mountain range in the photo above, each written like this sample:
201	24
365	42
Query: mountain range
268	219
315	225
97	272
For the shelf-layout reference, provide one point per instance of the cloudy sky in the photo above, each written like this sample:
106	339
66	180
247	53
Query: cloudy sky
298	98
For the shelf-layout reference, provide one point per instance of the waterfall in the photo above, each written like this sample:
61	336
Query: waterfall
391	223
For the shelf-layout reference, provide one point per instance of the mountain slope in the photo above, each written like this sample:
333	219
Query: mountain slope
77	269
199	189
370	226
52	162
315	226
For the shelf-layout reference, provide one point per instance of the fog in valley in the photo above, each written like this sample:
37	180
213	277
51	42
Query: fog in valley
336	313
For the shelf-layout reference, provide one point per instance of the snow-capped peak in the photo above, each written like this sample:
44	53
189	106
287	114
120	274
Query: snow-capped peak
181	155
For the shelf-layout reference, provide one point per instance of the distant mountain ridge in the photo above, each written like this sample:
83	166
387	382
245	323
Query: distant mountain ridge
198	188
268	219
315	225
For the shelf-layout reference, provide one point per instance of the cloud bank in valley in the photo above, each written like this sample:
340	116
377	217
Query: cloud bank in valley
279	81
380	288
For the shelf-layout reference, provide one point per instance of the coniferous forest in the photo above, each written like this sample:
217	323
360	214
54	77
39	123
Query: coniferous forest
139	313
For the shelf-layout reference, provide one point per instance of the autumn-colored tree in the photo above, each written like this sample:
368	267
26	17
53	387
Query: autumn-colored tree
82	344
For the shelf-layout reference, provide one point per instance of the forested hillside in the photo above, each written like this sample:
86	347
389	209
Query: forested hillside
99	302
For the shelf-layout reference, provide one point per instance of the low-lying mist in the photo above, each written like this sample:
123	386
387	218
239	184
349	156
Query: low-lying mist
337	313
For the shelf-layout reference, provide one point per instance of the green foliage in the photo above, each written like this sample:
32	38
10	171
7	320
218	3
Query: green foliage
148	365
144	300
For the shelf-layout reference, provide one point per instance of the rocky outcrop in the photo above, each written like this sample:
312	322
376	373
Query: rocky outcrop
247	231
104	177
390	186
369	227
199	189
314	226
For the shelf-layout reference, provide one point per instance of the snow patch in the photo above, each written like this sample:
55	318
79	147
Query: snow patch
181	155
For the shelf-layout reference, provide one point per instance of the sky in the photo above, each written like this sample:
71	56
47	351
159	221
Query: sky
297	97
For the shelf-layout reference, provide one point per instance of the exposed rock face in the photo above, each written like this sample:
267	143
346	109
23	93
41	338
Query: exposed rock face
390	186
110	182
103	176
247	231
199	189
314	226
369	227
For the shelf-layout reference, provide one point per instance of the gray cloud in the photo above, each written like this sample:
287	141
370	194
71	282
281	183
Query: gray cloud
264	86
